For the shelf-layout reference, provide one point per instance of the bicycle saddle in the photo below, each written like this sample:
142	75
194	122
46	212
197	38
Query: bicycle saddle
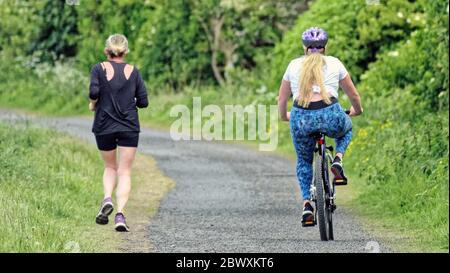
316	135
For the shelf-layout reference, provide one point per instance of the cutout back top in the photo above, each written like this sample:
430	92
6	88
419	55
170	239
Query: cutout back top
118	97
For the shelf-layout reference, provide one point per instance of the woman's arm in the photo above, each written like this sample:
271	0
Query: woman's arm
283	97
141	92
94	88
350	89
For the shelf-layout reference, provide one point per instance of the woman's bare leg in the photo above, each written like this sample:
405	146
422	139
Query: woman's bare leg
126	158
110	172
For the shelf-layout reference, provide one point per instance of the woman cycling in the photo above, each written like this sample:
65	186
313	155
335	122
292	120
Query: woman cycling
115	92
314	80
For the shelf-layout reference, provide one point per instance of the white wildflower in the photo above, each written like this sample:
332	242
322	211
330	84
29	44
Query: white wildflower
393	53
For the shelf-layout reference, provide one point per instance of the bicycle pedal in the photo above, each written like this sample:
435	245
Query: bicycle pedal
333	207
308	224
309	221
340	182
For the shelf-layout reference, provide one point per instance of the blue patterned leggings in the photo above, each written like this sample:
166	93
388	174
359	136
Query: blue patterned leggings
331	120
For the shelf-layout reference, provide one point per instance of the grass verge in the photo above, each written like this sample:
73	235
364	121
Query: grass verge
50	193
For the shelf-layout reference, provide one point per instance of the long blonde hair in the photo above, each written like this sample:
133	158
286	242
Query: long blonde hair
312	74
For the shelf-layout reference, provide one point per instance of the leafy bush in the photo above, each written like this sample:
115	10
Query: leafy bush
203	42
400	148
18	25
173	47
403	166
58	32
58	89
97	21
418	64
356	30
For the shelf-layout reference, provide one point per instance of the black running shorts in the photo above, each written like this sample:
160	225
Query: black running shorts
110	142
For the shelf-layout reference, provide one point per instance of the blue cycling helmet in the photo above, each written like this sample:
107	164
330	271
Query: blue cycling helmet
314	37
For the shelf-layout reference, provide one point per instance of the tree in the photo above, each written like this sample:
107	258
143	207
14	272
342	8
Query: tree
238	31
173	50
99	19
57	32
18	26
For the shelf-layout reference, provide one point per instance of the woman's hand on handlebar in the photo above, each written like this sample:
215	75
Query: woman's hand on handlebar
352	112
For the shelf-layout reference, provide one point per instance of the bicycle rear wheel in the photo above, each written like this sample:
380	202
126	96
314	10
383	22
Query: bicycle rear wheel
328	203
321	206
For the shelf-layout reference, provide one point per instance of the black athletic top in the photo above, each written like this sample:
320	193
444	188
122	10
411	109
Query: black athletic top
118	99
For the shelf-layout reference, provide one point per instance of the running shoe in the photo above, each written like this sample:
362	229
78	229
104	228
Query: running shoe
121	224
106	209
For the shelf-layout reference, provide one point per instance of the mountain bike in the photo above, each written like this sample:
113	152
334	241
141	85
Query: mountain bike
323	192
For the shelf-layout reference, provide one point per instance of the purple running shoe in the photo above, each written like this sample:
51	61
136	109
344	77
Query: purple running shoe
121	225
105	210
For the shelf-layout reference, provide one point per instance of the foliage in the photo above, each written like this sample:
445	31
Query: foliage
356	30
201	42
18	25
418	64
401	167
397	53
173	48
99	19
58	32
57	89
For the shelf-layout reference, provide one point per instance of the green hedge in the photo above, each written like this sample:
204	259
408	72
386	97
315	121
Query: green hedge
54	89
356	30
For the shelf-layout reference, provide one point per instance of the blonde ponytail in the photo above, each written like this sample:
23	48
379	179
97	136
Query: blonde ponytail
312	74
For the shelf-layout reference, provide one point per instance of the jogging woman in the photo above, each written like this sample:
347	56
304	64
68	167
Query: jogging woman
314	80
115	92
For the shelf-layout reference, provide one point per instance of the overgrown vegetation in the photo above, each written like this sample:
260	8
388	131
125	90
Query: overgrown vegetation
396	52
